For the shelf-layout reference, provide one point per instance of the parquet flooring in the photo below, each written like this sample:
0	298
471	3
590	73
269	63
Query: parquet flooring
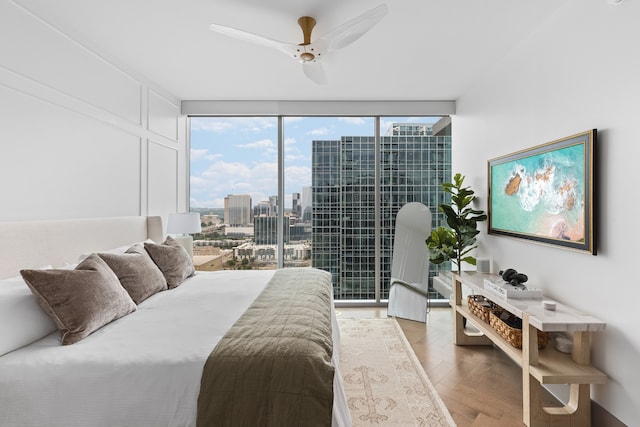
480	385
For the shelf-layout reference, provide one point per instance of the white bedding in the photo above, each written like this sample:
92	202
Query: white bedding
141	370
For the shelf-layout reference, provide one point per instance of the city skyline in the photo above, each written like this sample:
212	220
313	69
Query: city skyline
238	155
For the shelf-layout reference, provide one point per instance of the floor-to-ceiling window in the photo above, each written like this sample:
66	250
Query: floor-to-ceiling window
336	191
234	186
415	159
342	189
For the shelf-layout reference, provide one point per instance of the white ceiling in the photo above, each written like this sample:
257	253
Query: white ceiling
422	50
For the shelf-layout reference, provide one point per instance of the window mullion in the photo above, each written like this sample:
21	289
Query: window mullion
280	203
376	209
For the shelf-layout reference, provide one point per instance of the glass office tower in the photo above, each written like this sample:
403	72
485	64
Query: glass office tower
413	164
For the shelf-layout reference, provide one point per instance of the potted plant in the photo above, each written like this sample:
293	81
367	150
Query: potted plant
455	243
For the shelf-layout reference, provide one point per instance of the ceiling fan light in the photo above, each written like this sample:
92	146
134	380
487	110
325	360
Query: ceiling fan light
307	56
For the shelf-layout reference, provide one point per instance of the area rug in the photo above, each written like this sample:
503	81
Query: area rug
383	379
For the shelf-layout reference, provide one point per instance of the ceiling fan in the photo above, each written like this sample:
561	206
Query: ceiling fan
310	53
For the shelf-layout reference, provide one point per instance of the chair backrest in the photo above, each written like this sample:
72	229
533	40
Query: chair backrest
410	259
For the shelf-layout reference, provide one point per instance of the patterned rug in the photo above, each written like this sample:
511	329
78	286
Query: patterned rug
384	381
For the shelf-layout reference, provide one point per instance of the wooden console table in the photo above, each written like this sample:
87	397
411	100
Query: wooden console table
544	366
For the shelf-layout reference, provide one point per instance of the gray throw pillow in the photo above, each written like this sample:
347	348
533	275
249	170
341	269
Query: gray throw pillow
82	300
137	272
172	259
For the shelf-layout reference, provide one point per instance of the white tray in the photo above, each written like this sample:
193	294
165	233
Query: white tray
506	290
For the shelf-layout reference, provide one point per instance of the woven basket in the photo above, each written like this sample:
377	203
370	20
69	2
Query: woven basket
511	329
481	306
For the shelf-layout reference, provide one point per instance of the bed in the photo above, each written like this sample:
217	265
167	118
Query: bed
170	359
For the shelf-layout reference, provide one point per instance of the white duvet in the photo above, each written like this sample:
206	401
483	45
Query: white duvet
141	370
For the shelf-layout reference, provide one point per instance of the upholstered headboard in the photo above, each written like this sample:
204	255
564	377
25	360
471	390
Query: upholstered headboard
34	244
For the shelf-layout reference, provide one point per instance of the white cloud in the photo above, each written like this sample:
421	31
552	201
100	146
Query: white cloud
210	125
319	132
197	182
226	171
197	154
223	178
266	147
292	152
237	124
384	126
292	157
296	177
353	120
259	124
203	154
260	144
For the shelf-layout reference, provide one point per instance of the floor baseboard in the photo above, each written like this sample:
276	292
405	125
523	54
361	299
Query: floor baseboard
600	417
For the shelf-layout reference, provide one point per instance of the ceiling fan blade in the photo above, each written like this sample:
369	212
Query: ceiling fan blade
287	48
315	72
352	30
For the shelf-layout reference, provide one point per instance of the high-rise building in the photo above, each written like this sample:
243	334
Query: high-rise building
300	232
273	204
296	206
237	210
262	208
265	230
413	165
306	204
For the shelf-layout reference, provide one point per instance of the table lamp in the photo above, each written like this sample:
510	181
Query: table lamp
183	224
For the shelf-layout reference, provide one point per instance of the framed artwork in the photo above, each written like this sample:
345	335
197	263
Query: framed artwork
546	193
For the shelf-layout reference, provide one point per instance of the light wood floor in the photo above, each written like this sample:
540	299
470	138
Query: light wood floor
480	385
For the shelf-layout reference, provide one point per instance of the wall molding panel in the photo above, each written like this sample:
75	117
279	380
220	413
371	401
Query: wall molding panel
162	115
162	178
83	137
44	93
96	81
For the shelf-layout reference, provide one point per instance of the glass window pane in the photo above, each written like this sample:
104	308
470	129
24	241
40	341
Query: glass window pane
329	167
234	186
415	160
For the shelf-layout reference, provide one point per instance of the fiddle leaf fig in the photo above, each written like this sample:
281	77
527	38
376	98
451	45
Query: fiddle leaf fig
452	244
441	244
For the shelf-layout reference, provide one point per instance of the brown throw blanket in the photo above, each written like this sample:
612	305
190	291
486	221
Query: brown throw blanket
273	367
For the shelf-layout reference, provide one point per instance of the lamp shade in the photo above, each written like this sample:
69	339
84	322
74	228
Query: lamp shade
184	223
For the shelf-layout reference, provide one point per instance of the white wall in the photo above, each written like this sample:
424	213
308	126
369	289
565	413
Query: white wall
580	70
81	136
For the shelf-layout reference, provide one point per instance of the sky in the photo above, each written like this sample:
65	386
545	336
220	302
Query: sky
238	155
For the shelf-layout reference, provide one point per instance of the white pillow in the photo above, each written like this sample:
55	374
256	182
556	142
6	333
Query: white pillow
22	320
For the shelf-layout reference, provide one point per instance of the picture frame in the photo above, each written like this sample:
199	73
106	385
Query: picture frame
546	194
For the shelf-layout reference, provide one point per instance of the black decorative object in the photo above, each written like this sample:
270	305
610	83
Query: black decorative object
513	277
